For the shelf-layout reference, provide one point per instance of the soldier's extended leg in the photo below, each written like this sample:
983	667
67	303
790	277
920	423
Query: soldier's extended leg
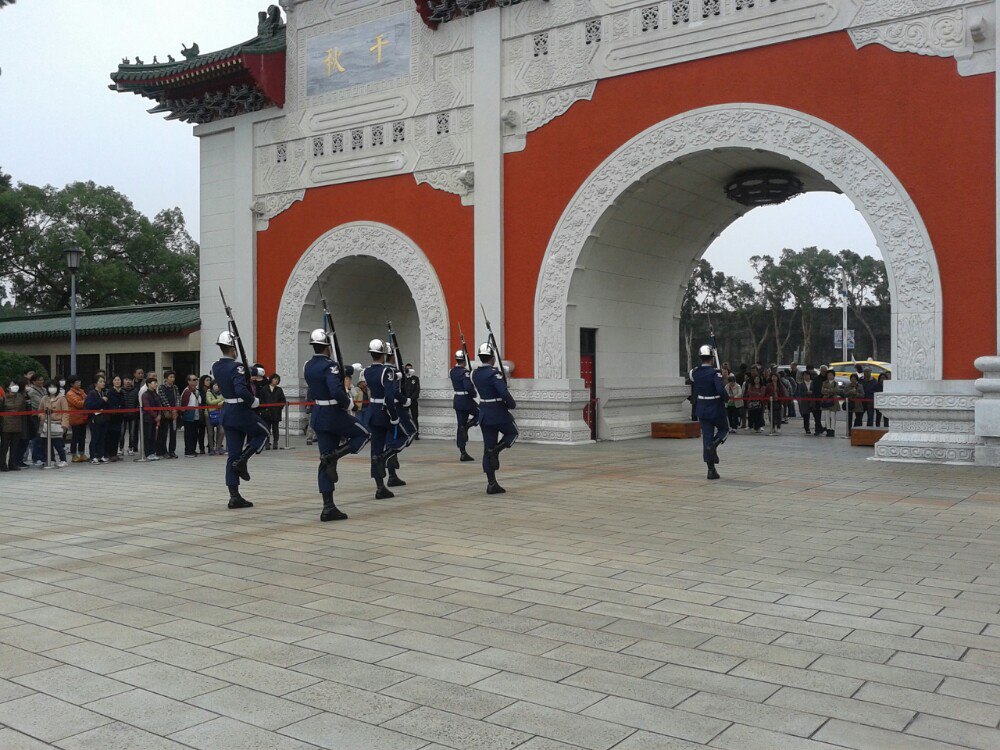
378	463
234	447
465	421
327	445
355	435
510	433
490	461
257	434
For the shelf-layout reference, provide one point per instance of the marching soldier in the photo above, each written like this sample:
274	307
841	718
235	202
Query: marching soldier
403	434
245	432
710	399
495	403
464	403
381	415
331	418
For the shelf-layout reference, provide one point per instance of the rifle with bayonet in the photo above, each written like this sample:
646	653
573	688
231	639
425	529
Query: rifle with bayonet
465	349
235	333
331	332
493	345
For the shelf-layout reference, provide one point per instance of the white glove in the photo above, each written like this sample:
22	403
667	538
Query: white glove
399	374
394	421
406	403
255	404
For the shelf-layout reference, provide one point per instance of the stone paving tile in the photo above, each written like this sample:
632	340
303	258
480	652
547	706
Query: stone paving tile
11	740
71	684
48	719
618	602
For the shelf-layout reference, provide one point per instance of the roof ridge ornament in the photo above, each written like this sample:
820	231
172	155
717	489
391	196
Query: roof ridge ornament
269	21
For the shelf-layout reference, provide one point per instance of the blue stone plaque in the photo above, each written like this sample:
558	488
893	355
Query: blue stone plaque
374	51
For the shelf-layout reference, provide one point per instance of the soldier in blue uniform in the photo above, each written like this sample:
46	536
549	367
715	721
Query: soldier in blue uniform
380	414
400	436
331	418
245	432
464	403
495	403
710	398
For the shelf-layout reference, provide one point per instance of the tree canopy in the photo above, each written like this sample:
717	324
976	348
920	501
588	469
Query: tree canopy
798	284
128	259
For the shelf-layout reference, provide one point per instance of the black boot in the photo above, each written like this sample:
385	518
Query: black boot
240	464
381	493
829	433
714	450
712	473
394	480
494	489
329	464
330	511
465	456
493	458
236	500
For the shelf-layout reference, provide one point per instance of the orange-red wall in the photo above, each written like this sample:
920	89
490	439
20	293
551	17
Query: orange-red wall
435	220
933	128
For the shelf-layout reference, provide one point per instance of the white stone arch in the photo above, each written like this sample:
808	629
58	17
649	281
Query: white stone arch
914	282
383	243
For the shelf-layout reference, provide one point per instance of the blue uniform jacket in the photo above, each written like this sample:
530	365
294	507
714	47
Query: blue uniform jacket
326	383
495	400
232	379
382	385
461	381
709	392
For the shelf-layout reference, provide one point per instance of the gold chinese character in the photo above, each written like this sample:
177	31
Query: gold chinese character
377	47
333	61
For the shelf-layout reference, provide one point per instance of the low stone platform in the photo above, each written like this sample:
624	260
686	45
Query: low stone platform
867	436
679	429
811	599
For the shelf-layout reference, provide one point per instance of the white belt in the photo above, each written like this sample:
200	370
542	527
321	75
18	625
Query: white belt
489	400
326	403
461	393
376	401
234	401
709	398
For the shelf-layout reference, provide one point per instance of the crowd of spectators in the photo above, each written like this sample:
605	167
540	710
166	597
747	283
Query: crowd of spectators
760	396
124	416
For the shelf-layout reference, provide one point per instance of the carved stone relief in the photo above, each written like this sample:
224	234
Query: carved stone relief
266	208
458	180
902	237
377	241
942	35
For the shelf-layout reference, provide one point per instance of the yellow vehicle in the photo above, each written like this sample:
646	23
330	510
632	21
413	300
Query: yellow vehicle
844	370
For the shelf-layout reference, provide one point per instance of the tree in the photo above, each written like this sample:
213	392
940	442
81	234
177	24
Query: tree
744	300
810	276
127	260
867	284
775	283
12	366
703	295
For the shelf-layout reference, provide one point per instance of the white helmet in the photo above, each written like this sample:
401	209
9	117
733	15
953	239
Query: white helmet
459	354
486	350
226	339
377	346
705	351
357	367
319	336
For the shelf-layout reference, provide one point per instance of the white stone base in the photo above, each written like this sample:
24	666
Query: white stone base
626	408
930	421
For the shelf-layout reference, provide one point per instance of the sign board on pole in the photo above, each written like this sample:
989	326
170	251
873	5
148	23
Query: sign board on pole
838	338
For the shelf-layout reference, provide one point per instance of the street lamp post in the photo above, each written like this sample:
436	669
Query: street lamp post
73	263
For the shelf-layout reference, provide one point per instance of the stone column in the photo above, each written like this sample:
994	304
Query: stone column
988	412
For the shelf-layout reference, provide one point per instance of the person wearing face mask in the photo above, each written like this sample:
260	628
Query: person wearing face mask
13	427
411	389
56	425
34	393
216	433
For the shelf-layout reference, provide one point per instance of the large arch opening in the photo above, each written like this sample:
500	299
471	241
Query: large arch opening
362	293
617	265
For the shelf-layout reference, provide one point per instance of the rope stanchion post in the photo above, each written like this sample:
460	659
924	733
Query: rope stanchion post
142	437
48	439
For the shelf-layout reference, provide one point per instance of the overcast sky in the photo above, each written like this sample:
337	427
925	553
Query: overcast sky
59	122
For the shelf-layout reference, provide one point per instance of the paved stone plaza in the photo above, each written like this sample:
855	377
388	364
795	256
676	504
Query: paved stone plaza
612	599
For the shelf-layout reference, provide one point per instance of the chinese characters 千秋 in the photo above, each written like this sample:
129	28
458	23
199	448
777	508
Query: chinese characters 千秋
380	42
333	61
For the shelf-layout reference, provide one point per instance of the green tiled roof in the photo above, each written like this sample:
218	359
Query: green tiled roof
171	317
145	73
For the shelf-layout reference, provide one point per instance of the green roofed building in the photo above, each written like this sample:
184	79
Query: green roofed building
117	339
